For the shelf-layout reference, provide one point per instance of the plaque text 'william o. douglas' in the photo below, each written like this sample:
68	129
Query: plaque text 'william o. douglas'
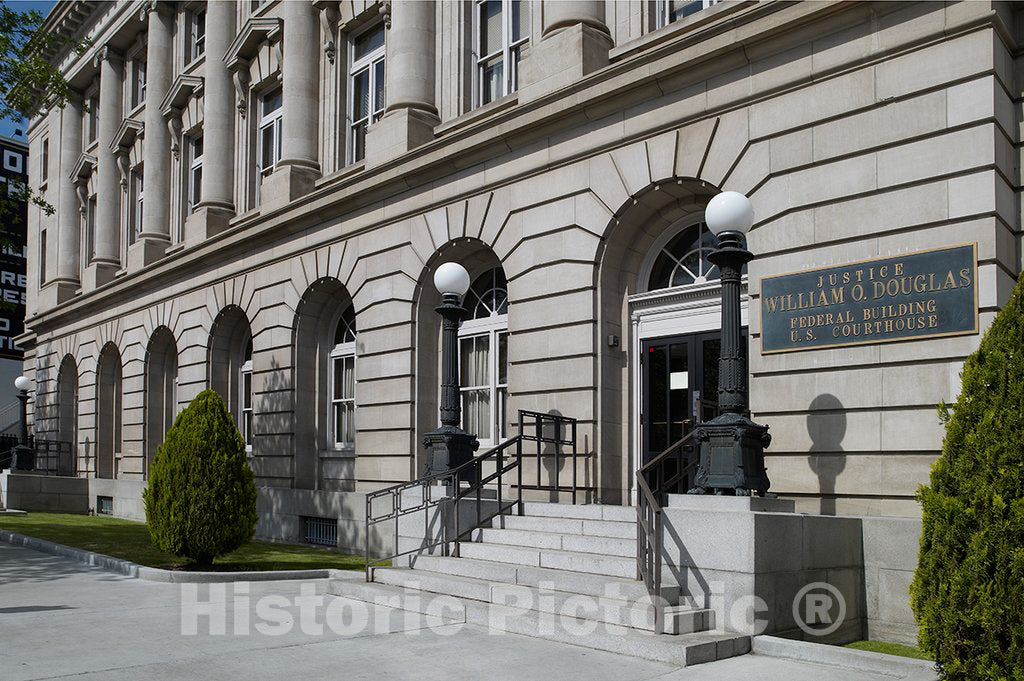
915	295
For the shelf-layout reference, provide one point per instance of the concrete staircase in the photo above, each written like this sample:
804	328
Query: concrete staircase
560	572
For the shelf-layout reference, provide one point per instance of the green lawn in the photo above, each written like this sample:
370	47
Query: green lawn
130	540
890	649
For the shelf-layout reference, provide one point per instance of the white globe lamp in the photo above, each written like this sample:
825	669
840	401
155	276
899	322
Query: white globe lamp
729	212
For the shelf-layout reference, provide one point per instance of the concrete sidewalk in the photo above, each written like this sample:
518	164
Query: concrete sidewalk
59	619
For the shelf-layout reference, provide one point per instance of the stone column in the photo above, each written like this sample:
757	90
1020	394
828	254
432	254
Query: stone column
574	43
411	112
299	165
217	205
107	247
69	218
156	225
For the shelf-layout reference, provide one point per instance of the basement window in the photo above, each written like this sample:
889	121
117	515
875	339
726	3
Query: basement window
104	506
320	531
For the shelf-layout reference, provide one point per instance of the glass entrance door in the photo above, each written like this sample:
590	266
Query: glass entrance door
679	387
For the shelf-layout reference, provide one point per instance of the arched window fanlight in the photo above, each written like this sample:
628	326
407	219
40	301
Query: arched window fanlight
488	296
684	259
345	332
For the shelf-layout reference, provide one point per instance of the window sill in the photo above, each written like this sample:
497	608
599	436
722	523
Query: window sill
347	453
470	117
350	169
676	29
194	65
137	110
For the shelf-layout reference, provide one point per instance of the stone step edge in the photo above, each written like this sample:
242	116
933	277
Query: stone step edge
561	573
684	649
478	539
839	657
673	614
557	553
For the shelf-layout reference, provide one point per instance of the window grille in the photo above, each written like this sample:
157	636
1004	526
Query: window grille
104	506
320	531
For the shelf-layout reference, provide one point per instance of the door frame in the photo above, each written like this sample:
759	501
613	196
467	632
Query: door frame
664	313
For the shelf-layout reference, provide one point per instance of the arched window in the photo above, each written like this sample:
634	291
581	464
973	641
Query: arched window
684	259
161	389
67	402
483	356
108	411
342	380
245	380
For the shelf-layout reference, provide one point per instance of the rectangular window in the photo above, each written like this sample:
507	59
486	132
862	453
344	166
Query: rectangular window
320	531
247	403
195	172
89	246
105	505
502	28
42	257
475	356
92	119
269	142
138	81
195	36
674	10
343	403
44	164
135	208
366	83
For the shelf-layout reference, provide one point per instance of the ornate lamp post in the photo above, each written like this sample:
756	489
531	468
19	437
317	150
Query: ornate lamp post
731	445
24	455
449	446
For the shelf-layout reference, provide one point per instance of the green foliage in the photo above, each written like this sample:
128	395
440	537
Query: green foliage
968	592
201	498
28	79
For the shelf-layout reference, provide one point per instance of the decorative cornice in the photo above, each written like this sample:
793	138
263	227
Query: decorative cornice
83	169
126	135
329	16
385	11
257	31
179	93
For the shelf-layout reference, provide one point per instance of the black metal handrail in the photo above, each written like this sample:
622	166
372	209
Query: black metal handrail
470	481
655	481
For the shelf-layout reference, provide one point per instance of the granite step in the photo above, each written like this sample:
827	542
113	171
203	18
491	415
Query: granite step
625	514
682	650
634	614
612	566
575	526
585	583
610	546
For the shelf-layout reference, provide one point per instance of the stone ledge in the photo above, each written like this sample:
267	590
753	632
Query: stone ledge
834	656
149	574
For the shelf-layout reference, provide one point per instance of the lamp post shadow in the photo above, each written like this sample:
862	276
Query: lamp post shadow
826	425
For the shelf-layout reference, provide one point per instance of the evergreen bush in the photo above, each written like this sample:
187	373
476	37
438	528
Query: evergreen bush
968	591
201	498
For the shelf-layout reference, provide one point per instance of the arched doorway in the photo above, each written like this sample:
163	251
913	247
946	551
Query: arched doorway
657	294
231	369
161	390
325	355
108	411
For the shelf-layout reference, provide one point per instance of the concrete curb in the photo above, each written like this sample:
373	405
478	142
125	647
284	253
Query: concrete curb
149	574
835	656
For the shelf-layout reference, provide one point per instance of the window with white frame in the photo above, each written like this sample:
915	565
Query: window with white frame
366	85
269	143
42	257
89	243
483	357
674	10
195	35
342	382
502	28
135	191
44	164
245	384
92	119
138	84
195	171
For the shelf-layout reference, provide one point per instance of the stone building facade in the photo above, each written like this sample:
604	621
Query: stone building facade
253	196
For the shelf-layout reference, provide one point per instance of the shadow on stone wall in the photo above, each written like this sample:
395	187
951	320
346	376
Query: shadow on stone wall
826	425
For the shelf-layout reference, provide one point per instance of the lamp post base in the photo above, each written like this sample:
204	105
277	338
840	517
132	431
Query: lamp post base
24	458
731	457
448	447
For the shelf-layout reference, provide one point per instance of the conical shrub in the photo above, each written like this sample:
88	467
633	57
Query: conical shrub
968	592
201	498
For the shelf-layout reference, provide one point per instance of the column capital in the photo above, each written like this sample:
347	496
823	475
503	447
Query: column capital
150	6
108	54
